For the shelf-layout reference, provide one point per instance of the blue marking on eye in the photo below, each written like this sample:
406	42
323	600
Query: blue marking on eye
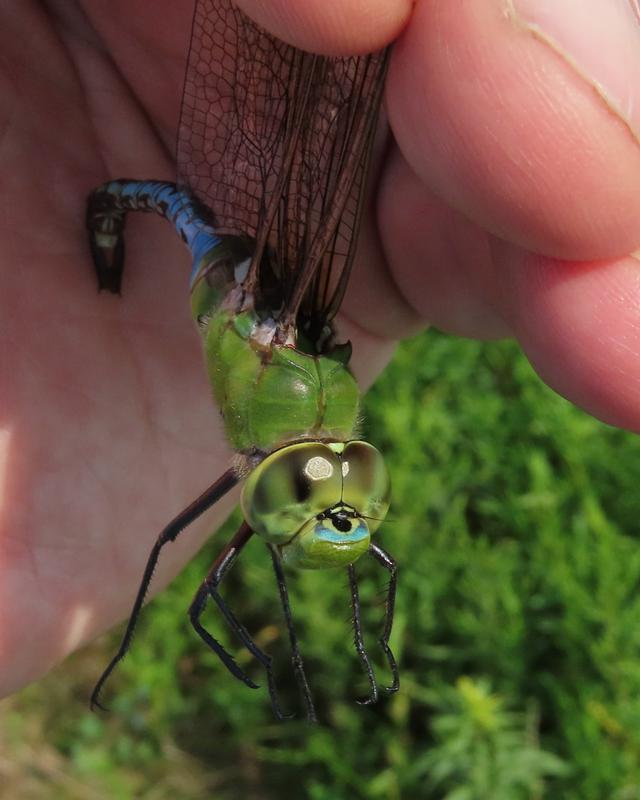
356	534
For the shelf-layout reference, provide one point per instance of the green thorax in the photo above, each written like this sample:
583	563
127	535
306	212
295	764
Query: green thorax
270	394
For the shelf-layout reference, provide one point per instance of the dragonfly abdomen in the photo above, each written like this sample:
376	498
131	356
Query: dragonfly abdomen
270	395
106	215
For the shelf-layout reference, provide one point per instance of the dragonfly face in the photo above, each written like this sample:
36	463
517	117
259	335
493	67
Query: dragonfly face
318	502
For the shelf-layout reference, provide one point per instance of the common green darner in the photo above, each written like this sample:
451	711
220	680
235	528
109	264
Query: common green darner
273	149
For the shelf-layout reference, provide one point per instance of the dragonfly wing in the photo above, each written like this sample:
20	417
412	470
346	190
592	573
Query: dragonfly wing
276	141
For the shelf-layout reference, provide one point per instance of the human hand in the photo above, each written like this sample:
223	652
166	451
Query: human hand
506	205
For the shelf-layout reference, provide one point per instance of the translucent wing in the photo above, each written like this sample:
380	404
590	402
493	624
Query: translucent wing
276	141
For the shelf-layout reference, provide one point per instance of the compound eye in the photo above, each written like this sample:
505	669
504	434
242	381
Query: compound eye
366	484
289	488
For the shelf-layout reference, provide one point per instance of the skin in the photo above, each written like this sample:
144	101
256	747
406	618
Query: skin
507	204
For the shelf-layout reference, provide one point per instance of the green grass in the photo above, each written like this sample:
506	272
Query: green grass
515	527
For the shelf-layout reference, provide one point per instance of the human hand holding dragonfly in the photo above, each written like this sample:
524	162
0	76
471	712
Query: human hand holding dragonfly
505	203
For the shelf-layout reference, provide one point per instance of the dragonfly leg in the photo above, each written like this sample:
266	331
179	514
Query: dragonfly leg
358	638
107	209
209	588
208	498
389	564
296	656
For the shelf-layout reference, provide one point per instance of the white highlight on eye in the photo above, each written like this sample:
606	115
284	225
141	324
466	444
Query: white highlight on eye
345	469
318	468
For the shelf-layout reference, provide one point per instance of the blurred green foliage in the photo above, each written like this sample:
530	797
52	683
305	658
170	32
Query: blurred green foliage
515	527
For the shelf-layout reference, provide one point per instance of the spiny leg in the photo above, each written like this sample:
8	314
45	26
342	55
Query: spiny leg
224	561
209	588
208	498
359	640
389	564
296	656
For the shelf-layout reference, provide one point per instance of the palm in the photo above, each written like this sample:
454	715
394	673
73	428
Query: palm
110	429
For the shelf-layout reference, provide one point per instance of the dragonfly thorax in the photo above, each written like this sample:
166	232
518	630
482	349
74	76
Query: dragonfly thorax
270	393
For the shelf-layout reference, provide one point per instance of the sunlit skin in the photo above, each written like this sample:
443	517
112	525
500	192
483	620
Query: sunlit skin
507	204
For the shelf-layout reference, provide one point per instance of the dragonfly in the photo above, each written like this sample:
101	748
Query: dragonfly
273	151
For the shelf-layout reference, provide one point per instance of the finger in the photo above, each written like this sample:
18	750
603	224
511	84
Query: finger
148	42
526	121
331	27
578	324
440	264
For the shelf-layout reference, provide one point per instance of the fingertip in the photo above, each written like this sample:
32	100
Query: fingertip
512	134
578	324
330	27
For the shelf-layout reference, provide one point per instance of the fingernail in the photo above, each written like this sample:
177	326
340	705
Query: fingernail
600	39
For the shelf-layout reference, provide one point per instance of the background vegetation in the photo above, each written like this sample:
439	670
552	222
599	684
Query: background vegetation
515	525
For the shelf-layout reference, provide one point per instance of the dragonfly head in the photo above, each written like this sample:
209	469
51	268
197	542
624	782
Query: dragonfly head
320	502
